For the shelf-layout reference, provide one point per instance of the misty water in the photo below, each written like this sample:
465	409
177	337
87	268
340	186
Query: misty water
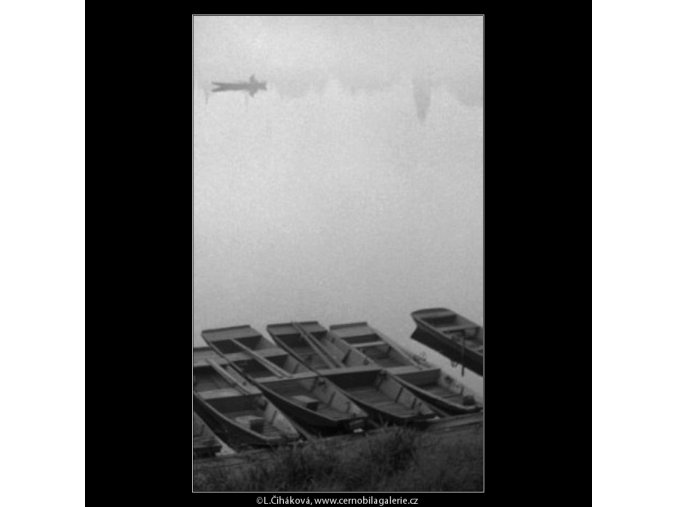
342	193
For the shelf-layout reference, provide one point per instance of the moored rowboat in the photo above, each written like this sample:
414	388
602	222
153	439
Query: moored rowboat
236	411
452	335
205	443
382	396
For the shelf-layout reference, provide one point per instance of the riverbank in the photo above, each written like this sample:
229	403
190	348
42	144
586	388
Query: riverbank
446	457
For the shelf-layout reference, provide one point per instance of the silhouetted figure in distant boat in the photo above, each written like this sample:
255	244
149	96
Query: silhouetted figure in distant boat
252	86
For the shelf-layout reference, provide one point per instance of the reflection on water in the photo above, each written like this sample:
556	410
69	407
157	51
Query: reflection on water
422	97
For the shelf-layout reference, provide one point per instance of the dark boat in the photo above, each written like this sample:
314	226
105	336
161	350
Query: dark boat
205	443
308	398
373	388
299	340
311	343
452	335
237	412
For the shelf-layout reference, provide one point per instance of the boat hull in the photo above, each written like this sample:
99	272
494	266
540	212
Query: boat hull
380	395
332	421
452	350
440	391
238	436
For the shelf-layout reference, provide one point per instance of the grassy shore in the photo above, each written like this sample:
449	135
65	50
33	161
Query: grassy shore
396	460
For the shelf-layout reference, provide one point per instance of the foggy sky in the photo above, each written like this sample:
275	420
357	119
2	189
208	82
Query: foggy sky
351	190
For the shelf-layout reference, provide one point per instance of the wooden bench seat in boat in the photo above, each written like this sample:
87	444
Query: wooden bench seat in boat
252	422
307	401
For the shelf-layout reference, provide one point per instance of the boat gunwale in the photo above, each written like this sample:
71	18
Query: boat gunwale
315	371
289	324
429	310
334	422
230	328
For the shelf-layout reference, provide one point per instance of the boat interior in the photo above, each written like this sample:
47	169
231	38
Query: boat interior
310	353
228	340
204	441
210	384
252	412
384	355
265	368
318	395
438	384
371	344
376	389
343	355
451	324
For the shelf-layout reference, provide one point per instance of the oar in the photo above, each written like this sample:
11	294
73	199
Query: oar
264	362
278	372
238	384
315	345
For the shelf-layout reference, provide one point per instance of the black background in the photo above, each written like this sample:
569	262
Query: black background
139	159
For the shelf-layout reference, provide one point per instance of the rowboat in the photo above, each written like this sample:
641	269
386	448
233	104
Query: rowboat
440	391
452	335
373	388
237	412
308	398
